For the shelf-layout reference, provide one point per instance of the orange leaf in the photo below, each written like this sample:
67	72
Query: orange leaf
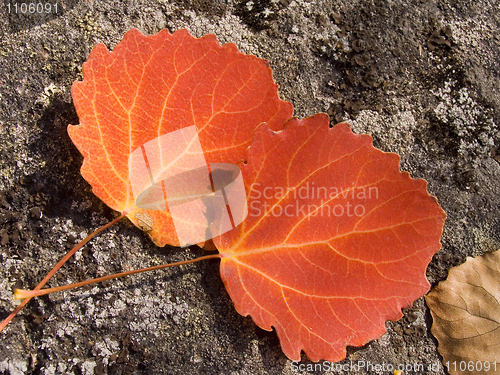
336	241
152	85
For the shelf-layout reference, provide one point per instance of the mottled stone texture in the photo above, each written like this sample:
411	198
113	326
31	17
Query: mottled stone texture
422	77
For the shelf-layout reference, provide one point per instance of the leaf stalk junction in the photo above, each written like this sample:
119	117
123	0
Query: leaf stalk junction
26	295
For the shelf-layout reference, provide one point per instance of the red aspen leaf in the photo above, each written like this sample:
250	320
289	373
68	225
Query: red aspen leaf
465	311
153	85
336	241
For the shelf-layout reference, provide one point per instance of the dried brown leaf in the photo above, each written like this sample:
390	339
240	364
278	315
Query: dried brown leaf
466	313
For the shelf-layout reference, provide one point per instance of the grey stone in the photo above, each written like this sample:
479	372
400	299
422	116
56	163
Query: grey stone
421	77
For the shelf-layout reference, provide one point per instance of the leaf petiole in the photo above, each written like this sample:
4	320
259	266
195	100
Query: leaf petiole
42	283
22	293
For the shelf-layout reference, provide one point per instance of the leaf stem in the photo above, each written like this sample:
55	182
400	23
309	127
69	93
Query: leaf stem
21	293
42	283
